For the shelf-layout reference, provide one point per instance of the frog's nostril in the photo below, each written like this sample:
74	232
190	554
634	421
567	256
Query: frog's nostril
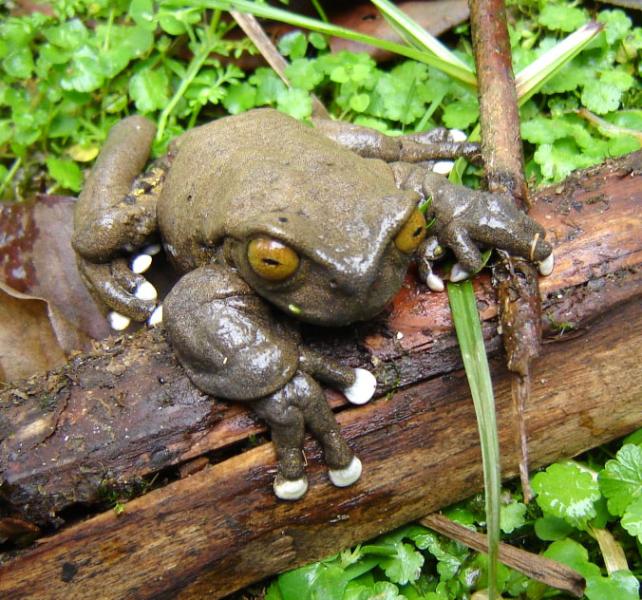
283	219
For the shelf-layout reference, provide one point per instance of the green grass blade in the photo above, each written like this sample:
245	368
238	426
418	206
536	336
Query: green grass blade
471	344
530	79
461	74
411	30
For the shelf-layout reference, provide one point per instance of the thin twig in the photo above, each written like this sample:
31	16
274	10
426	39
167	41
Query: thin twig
252	28
518	291
536	567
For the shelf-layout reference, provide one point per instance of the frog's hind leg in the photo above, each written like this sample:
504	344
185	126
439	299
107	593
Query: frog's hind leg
298	404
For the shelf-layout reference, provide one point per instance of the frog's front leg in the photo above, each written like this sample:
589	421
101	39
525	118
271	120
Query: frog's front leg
417	147
232	346
115	214
465	219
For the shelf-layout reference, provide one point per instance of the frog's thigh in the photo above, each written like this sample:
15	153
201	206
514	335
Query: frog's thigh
225	336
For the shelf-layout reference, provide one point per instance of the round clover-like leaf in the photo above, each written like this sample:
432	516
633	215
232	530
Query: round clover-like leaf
568	491
621	479
632	519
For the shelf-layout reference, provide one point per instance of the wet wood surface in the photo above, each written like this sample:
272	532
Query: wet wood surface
127	411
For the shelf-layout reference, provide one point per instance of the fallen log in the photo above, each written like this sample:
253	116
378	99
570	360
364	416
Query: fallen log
126	410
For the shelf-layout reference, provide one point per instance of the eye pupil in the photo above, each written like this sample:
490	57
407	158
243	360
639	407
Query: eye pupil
271	262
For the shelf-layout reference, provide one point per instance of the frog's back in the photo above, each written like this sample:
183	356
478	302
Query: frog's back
238	169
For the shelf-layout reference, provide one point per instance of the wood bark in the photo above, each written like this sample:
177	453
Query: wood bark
127	411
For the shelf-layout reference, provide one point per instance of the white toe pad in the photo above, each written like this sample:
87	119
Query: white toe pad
363	387
457	273
348	475
156	317
146	291
141	263
443	167
546	266
118	321
435	283
286	489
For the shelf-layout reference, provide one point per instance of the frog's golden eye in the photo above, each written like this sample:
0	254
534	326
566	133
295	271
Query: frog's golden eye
412	233
272	260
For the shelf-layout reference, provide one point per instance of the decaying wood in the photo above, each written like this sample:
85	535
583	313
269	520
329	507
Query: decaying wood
536	567
222	528
127	410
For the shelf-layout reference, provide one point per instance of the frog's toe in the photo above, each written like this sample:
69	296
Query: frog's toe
117	321
290	489
546	266
156	318
363	388
435	283
146	291
443	167
457	135
348	475
140	263
458	273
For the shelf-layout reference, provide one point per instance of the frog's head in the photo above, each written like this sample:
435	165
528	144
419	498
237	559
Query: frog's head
328	266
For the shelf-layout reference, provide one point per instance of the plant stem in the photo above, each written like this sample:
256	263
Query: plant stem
10	175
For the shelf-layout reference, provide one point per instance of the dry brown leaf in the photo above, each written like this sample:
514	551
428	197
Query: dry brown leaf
46	309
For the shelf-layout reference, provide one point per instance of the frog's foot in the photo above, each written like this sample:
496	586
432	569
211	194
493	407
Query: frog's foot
547	265
125	292
458	273
363	388
346	476
429	251
290	489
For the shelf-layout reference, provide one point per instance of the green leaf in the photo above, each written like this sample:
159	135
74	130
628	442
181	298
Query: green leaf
562	18
512	516
380	590
601	97
268	86
85	73
142	12
293	44
617	24
621	479
69	35
149	88
239	98
303	74
449	561
359	102
623	144
622	585
318	40
574	555
318	581
558	160
567	491
461	113
632	519
66	172
550	529
296	103
19	63
405	566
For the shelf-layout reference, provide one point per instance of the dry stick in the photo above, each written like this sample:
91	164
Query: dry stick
518	290
534	566
255	32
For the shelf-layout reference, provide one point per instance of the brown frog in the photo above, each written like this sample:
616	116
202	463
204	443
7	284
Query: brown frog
261	211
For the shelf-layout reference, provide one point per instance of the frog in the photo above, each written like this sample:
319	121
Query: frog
272	222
